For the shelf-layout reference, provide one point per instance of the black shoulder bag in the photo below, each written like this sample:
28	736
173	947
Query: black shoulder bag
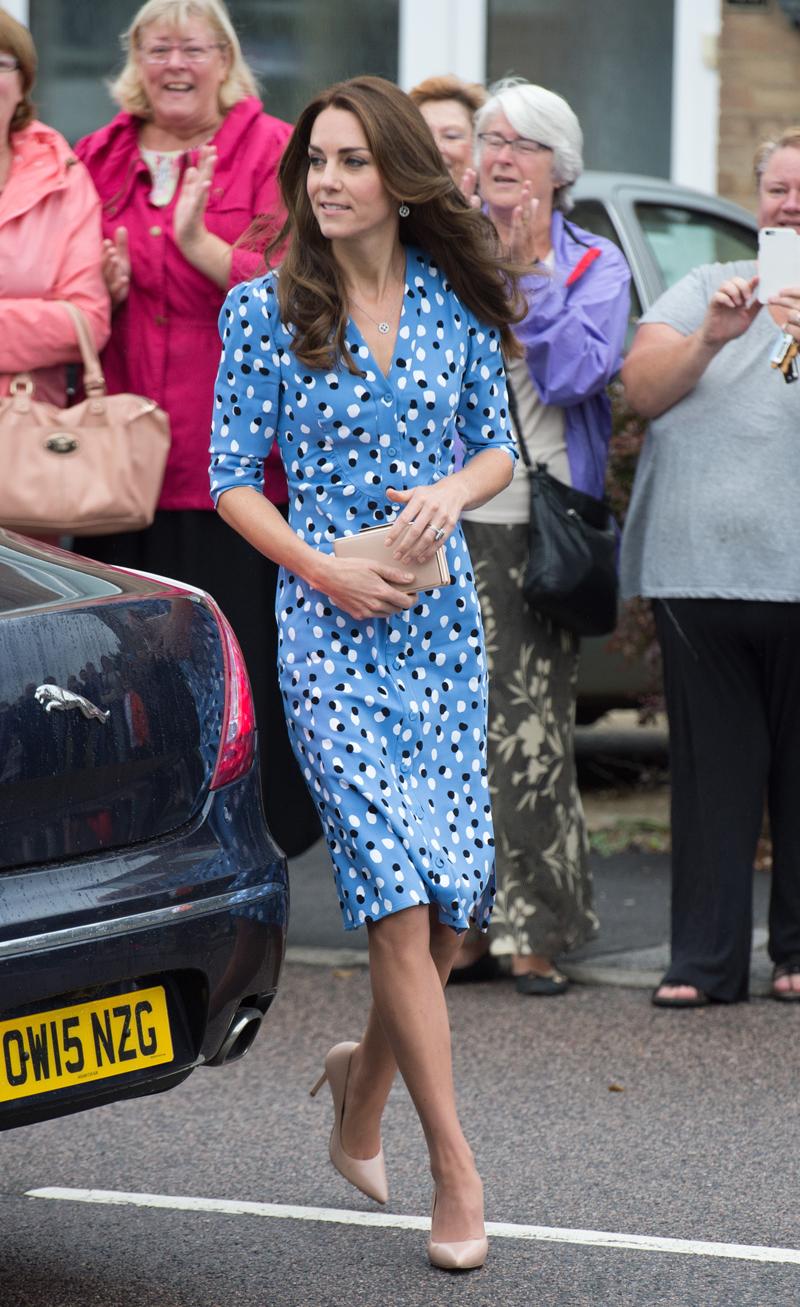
571	575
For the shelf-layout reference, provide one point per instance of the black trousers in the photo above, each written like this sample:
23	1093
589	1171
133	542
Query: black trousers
198	547
732	684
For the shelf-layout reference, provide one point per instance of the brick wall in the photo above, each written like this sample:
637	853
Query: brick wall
759	65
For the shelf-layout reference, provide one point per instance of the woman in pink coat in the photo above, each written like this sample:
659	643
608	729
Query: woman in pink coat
50	239
182	171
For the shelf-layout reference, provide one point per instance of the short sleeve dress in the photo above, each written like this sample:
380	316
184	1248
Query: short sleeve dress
387	717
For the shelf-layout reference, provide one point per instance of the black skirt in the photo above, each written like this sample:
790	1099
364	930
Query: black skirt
196	546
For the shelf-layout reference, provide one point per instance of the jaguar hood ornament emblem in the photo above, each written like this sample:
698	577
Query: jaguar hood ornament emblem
53	696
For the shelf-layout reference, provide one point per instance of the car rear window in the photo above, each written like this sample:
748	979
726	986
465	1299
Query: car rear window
28	582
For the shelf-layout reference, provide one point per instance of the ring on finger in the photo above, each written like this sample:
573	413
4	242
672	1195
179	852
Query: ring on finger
438	532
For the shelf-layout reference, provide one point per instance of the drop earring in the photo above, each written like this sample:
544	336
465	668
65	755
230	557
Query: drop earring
404	210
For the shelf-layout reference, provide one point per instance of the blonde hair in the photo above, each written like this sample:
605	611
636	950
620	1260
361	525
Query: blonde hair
17	41
128	89
790	139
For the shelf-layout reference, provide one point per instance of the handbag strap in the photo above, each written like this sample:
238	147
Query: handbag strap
513	409
94	382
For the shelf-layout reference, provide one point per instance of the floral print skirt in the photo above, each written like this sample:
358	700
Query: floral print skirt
544	885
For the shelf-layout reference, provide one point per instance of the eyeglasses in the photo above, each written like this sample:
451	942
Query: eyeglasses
519	144
193	54
8	64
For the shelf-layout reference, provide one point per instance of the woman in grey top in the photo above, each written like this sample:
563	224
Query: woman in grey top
713	537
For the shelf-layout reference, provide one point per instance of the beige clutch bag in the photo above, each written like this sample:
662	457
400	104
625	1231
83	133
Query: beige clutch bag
370	544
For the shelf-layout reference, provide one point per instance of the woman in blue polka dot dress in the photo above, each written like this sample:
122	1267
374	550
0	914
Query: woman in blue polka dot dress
377	344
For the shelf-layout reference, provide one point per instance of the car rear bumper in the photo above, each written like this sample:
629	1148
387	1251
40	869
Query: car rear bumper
201	913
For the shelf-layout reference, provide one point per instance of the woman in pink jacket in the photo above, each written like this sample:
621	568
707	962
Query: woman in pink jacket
182	171
50	239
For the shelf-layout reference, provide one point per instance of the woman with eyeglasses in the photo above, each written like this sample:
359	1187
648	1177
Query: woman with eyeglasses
529	147
50	238
448	106
182	171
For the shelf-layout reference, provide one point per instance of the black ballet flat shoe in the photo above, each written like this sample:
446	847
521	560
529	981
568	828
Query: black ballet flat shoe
661	1000
485	967
791	967
542	985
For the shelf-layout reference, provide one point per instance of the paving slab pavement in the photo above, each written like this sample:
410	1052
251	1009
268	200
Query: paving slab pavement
631	887
631	899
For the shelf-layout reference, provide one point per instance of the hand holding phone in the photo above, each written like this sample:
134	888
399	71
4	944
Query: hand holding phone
778	261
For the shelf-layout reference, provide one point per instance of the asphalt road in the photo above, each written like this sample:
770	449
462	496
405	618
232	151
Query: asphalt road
697	1143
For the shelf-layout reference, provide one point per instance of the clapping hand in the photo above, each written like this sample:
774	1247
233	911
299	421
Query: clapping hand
469	188
521	245
189	217
116	265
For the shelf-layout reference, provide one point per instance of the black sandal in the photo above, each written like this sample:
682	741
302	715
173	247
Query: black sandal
542	984
791	967
700	999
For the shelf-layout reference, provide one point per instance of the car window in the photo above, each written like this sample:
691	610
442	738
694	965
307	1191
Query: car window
28	582
681	239
594	216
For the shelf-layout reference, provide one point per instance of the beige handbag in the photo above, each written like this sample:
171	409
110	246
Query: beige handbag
92	469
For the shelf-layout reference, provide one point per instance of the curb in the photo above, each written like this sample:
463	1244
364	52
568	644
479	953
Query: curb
578	972
586	974
581	974
327	957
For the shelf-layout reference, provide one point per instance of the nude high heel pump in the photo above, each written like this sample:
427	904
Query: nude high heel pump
367	1174
464	1255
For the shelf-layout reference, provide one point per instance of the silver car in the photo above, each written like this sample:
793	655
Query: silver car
664	231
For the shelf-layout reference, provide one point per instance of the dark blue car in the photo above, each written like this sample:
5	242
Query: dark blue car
143	902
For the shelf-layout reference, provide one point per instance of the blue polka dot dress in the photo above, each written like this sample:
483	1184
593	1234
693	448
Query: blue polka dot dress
387	716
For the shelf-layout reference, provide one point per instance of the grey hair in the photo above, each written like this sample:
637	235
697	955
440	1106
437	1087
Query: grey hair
542	116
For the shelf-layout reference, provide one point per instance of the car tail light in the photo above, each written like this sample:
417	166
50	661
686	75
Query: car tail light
238	738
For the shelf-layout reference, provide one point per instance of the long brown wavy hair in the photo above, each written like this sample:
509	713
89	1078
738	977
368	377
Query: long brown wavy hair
459	239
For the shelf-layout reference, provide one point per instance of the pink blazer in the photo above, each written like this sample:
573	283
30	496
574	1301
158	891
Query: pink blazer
164	341
50	249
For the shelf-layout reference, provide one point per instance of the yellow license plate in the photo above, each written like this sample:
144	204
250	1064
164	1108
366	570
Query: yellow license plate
90	1041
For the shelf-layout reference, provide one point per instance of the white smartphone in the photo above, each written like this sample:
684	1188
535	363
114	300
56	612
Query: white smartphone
778	260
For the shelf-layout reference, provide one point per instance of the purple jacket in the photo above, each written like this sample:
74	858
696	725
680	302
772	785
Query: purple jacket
573	336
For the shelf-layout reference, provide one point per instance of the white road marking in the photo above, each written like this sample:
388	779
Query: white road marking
642	1243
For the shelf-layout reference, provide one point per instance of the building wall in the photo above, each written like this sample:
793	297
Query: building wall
612	61
759	66
641	74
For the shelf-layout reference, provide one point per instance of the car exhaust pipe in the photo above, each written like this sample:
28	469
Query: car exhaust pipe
241	1033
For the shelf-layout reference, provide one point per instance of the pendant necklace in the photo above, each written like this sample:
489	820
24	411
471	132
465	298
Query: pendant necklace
383	327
